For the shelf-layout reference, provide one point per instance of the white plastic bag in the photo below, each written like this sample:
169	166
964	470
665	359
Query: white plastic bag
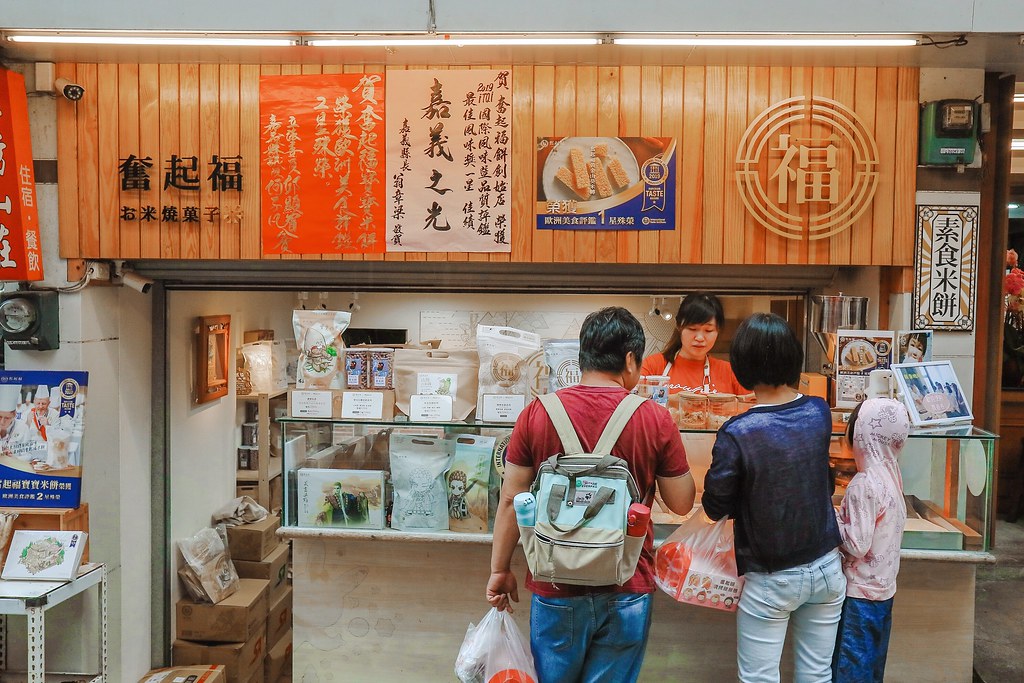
495	649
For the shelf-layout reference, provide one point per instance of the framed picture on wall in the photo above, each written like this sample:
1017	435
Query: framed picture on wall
932	393
212	339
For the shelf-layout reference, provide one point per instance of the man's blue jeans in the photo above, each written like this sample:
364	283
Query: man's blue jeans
600	637
808	595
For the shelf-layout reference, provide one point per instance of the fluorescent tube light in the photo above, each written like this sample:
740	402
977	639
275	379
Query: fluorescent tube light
770	41
447	41
1018	98
1017	144
182	41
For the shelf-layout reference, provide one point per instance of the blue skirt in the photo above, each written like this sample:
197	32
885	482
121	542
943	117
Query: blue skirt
862	641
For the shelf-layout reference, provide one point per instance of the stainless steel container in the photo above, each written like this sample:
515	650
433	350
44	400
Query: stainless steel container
831	313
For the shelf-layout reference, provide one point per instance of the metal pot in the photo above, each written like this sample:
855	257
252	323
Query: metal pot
831	313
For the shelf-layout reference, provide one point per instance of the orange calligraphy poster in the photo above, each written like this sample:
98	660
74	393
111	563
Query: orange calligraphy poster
322	164
21	255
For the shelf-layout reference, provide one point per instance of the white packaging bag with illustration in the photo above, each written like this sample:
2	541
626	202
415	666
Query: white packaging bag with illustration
503	372
418	467
321	349
468	480
562	357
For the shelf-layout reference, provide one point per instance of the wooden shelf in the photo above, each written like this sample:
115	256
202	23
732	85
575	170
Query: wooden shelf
256	397
263	482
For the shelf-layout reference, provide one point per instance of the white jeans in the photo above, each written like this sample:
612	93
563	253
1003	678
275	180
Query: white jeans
811	596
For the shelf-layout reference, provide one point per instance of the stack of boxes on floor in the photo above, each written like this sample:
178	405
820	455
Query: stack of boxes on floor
249	632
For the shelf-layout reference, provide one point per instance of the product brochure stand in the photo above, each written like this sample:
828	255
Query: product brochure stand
32	599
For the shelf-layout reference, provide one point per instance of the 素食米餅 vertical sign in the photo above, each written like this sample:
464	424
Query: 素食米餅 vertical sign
21	256
946	260
322	163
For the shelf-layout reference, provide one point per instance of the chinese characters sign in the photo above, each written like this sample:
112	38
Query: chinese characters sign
20	252
185	176
448	160
589	183
822	168
321	148
945	263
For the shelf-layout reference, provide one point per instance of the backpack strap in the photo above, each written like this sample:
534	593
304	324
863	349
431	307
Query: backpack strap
563	425
613	430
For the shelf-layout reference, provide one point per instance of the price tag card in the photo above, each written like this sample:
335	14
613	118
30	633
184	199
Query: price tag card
362	405
311	404
430	408
502	407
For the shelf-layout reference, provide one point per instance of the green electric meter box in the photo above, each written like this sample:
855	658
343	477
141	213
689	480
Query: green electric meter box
949	132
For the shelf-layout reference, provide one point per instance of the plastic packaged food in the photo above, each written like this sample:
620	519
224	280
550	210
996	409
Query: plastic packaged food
721	407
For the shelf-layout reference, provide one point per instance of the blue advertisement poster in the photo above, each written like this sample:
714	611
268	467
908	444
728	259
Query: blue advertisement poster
42	418
606	183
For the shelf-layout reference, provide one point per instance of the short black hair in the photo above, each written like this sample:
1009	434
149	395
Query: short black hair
607	336
766	351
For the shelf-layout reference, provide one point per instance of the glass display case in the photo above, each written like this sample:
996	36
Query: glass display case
338	474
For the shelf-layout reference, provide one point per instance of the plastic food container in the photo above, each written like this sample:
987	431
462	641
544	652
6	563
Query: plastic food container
721	407
690	410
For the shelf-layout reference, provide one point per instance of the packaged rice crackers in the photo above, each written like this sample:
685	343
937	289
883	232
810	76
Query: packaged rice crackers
321	349
468	483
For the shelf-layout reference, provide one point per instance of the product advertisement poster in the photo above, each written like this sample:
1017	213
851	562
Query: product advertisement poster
858	353
606	183
42	419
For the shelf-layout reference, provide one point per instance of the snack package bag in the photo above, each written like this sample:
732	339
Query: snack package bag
209	565
468	483
321	349
697	564
418	466
563	360
428	371
503	362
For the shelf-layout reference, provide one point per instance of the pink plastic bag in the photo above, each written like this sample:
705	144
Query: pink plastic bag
697	564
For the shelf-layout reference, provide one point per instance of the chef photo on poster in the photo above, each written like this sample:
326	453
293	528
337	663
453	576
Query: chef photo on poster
606	183
42	420
858	352
932	393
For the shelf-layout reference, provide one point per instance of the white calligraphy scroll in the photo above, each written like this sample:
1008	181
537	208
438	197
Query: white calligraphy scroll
946	260
449	143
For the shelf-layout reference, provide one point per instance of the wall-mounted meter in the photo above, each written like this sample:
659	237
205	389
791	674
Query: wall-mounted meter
29	320
949	132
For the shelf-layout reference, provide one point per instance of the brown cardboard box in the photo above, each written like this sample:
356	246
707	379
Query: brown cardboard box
276	491
236	618
257	335
337	401
253	541
187	674
272	568
278	663
279	621
243	662
813	384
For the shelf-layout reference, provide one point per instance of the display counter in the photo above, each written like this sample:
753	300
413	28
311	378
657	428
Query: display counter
382	604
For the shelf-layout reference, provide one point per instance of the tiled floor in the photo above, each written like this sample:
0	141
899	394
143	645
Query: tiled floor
999	610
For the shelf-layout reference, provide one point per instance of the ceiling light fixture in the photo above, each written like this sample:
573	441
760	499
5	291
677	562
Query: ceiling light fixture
135	39
446	41
770	41
1018	98
1017	145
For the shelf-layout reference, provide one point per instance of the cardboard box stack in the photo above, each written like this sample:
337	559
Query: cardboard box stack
250	631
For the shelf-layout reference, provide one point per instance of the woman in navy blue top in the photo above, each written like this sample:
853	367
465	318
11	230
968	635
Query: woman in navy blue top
770	473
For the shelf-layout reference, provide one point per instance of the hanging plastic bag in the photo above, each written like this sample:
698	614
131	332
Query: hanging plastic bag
494	651
697	564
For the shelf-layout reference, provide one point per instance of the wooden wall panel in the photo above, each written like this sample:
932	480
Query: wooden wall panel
201	110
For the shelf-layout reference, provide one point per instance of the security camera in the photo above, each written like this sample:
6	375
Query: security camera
137	282
70	91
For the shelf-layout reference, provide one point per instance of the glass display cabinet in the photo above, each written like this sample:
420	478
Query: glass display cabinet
381	602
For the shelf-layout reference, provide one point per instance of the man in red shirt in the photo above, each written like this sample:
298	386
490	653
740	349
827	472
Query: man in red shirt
592	633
